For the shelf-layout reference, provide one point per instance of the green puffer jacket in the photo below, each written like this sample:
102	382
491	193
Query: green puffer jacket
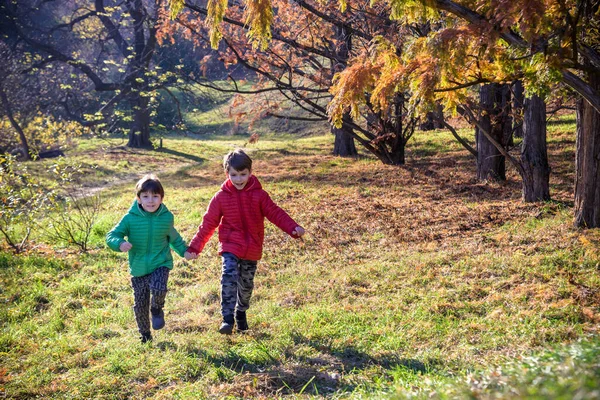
151	235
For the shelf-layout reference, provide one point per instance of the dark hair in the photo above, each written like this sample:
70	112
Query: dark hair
149	183
237	160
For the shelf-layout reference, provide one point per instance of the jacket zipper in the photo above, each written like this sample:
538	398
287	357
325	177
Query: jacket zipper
244	225
150	233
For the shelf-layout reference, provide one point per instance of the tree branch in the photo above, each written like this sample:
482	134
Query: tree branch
473	120
275	34
113	31
329	18
99	85
462	86
572	80
440	117
294	118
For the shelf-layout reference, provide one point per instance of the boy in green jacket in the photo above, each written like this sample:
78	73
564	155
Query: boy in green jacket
150	234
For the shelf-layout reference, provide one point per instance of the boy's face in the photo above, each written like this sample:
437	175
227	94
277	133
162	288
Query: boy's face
239	178
149	201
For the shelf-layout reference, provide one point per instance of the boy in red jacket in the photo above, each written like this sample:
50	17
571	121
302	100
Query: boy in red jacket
239	210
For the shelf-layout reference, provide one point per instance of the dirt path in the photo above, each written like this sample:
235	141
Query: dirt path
124	179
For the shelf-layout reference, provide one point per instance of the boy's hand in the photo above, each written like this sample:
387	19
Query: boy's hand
125	247
190	256
298	231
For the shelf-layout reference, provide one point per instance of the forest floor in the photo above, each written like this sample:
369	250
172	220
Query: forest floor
415	281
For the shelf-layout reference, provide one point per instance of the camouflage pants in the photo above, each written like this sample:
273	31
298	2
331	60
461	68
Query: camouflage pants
149	291
237	282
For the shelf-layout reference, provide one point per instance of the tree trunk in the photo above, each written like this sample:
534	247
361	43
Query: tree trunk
534	157
139	132
517	108
398	144
344	143
491	164
587	162
143	48
397	156
429	123
15	124
431	120
505	118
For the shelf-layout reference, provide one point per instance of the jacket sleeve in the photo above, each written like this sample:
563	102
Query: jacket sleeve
277	216
116	236
210	222
176	242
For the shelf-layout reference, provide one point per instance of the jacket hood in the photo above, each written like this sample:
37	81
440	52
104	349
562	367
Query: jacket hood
253	184
136	209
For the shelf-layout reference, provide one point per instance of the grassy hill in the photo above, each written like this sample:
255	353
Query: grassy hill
412	282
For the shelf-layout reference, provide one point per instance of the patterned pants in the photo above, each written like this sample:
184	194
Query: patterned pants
149	291
237	282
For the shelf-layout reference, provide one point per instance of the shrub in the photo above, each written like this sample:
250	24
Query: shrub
73	211
22	199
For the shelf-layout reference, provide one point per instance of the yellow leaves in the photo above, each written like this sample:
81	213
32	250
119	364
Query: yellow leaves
380	72
425	67
216	11
176	6
383	73
412	11
343	5
539	75
86	29
259	17
452	99
44	131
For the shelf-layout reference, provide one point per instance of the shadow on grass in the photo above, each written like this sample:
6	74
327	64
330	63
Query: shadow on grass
180	154
210	129
234	361
563	121
348	357
166	345
323	374
108	174
293	375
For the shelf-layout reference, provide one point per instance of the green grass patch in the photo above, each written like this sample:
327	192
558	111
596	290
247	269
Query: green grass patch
412	282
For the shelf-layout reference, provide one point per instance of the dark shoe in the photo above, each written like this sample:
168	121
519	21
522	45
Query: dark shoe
241	321
227	325
146	337
158	318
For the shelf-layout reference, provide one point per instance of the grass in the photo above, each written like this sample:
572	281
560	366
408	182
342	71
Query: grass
412	282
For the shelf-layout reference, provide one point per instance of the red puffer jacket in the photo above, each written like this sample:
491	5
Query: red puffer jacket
240	216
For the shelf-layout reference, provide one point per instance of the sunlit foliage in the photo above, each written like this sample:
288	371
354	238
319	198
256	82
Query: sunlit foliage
43	132
469	42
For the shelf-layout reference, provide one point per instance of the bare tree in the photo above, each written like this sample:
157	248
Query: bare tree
112	44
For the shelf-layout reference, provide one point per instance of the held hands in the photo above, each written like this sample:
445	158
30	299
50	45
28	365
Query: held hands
298	231
126	246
